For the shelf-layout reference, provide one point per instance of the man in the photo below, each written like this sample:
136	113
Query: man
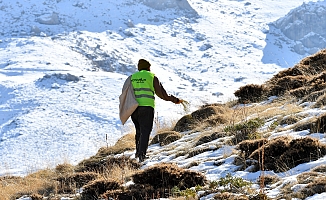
146	85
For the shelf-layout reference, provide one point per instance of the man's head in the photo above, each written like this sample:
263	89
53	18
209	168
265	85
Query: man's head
143	65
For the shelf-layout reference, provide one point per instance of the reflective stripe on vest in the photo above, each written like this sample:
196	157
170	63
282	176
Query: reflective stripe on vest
142	83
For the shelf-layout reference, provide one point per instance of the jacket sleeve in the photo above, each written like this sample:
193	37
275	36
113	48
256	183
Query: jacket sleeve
160	92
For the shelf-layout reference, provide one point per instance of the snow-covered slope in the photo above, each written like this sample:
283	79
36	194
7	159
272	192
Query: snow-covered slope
63	63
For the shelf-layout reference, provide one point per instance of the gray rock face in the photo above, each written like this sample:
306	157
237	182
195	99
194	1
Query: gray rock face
165	4
306	25
52	19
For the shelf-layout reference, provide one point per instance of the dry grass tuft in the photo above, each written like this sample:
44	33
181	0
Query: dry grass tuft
186	123
157	182
315	125
318	186
197	151
290	119
321	100
245	130
320	168
165	138
64	169
268	180
283	110
251	93
40	182
135	191
284	84
125	143
169	175
305	125
309	177
249	146
104	159
230	196
213	115
208	137
69	184
305	80
101	164
36	197
284	153
96	188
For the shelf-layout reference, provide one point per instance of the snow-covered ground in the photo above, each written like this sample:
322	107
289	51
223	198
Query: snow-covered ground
63	64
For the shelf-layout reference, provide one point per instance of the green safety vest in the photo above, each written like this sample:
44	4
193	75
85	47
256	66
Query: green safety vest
142	83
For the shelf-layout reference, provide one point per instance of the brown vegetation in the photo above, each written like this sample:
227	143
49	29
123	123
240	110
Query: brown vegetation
268	179
309	177
305	78
209	137
249	146
165	138
41	182
314	125
207	114
157	181
169	175
284	153
230	196
104	159
125	143
251	93
318	186
69	183
96	188
102	164
320	168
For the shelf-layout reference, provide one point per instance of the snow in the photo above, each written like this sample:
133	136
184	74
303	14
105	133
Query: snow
63	64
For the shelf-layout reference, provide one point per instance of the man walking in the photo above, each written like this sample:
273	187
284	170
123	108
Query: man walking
146	85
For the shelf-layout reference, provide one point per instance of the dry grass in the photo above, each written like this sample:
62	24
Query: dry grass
211	115
251	93
165	137
40	182
164	125
304	125
280	106
58	181
308	177
282	153
125	143
320	168
313	124
320	101
317	186
167	175
104	158
119	173
229	196
208	136
268	179
94	189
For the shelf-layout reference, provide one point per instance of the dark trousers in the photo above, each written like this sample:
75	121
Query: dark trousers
142	118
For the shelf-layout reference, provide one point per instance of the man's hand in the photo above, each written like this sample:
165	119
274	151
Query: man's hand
179	101
185	104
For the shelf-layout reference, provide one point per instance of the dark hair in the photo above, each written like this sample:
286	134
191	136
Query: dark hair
143	64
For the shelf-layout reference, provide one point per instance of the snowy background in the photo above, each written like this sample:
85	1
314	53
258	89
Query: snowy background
63	64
